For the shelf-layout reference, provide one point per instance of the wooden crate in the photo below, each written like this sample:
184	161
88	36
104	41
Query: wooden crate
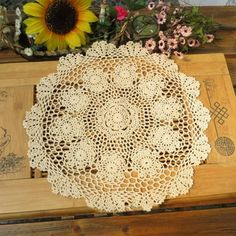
23	194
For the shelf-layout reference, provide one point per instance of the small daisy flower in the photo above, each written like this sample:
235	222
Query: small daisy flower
197	43
161	44
210	38
191	42
161	35
28	52
18	11
17	24
161	20
180	55
166	53
173	44
161	3
176	11
186	31
165	8
150	44
162	13
151	5
182	40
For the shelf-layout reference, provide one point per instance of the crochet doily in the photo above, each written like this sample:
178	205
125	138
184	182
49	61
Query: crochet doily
119	127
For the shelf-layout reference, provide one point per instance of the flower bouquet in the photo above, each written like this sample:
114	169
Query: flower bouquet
51	28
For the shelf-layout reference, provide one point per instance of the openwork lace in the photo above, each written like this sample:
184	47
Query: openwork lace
119	127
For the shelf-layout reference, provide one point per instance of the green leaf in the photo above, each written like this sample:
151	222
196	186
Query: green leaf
135	5
112	12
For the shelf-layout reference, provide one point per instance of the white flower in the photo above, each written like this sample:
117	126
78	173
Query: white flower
18	11
167	109
166	139
28	52
17	32
111	167
96	80
146	162
199	151
124	75
74	100
66	128
118	118
80	155
151	86
17	24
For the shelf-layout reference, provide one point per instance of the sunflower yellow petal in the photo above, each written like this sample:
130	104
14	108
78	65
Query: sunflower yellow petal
84	26
43	2
33	9
43	37
51	44
61	43
81	36
33	25
87	16
84	4
73	40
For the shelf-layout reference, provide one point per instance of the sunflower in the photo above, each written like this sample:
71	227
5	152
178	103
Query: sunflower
59	23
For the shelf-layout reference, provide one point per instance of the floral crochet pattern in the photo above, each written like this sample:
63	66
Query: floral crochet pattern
120	127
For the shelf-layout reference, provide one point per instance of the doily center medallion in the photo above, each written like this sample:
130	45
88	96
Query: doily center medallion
118	118
119	127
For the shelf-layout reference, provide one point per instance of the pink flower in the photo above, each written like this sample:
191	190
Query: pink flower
165	8
176	11
182	40
161	3
151	5
166	53
178	27
210	38
191	42
180	55
161	20
173	44
150	44
186	31
161	44
162	13
197	44
121	13
161	35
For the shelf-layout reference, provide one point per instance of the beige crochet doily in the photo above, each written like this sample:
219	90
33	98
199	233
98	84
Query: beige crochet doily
119	127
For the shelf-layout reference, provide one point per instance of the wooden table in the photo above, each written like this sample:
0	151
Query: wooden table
27	206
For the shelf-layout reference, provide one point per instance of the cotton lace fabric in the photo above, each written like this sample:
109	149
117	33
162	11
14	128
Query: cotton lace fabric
120	127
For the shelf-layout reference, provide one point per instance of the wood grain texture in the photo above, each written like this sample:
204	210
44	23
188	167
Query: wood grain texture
14	163
35	195
202	222
217	177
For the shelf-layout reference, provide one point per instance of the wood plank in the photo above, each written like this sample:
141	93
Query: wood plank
36	194
19	74
14	103
201	222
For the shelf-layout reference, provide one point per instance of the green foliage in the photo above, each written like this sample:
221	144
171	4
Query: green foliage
134	5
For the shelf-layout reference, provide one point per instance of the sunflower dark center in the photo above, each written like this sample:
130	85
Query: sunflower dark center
61	17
